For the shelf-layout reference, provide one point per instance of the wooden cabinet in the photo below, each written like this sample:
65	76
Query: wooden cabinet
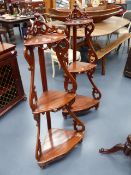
11	89
127	69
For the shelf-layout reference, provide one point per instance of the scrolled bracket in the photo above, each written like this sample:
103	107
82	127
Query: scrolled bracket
38	151
78	124
61	49
29	56
95	91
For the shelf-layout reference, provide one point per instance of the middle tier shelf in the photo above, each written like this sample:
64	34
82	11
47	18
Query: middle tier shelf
82	103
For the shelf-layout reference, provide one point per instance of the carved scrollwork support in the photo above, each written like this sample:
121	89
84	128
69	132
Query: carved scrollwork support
78	125
127	146
38	151
61	49
95	91
41	28
29	56
88	41
76	13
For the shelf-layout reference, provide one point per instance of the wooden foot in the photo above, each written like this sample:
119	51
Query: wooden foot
114	149
126	148
64	115
97	106
103	66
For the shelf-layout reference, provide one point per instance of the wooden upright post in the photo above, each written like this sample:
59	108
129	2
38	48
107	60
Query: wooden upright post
49	4
72	3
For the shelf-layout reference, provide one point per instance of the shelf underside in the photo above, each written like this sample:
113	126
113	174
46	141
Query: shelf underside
83	103
57	144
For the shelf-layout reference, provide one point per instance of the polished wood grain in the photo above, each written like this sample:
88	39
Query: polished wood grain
43	39
53	101
57	144
80	67
82	104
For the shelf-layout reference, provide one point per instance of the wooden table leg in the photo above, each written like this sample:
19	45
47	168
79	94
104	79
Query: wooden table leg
10	30
74	43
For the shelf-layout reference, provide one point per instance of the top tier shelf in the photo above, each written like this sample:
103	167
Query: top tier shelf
78	22
44	39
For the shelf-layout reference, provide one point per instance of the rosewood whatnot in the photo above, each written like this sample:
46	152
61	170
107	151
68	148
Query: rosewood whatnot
58	141
77	20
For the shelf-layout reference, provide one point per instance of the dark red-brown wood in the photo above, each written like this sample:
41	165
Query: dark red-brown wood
78	19
126	148
59	141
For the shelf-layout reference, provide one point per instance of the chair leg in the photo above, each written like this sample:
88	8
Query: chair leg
20	31
5	35
103	66
128	45
118	48
53	68
1	39
59	65
108	39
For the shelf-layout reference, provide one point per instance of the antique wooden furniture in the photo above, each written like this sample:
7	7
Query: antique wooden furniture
127	69
106	27
98	15
125	29
126	148
102	53
82	103
11	89
102	28
54	59
9	24
59	141
123	4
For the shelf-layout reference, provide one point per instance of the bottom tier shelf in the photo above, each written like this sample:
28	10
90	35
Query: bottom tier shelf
82	103
57	144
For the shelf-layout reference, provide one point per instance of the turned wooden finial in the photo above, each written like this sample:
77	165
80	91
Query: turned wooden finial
75	5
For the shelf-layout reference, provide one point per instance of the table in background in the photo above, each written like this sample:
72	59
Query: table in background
103	28
9	25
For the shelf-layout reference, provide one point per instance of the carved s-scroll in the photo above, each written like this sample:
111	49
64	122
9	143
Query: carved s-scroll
29	56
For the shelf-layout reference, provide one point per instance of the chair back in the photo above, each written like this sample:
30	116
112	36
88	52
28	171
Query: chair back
127	15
